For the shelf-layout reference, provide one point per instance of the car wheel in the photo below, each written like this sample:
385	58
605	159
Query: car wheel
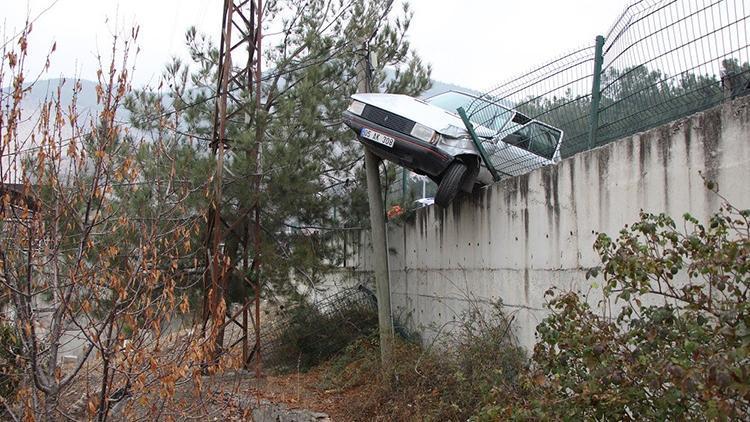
451	184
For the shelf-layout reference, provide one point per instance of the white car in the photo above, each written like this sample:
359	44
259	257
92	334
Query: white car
430	138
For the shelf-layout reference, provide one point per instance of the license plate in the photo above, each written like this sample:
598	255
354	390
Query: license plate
377	137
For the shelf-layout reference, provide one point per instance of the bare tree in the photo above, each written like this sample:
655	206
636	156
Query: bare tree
95	249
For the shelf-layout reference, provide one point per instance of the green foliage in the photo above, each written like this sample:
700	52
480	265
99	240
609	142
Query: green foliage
311	184
10	368
678	345
638	98
569	112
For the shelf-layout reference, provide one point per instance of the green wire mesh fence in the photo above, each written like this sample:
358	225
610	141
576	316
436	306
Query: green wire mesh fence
660	61
312	332
667	59
557	94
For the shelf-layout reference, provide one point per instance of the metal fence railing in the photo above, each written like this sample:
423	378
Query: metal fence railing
661	60
310	331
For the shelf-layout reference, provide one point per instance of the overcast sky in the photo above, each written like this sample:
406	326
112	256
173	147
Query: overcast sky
473	43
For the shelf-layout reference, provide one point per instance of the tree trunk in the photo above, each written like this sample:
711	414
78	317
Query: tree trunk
50	405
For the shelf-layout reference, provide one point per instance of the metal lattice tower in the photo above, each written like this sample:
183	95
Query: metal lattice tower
236	57
240	40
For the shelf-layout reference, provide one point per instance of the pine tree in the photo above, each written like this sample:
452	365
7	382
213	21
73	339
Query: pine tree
311	188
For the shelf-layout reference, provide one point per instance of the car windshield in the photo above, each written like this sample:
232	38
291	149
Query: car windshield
489	114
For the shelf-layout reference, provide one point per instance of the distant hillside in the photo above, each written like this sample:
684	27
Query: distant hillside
42	91
439	87
86	101
45	89
87	105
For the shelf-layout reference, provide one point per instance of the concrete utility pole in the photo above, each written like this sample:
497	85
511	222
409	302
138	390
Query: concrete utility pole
379	241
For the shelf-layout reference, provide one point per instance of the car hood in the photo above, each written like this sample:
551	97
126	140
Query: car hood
421	112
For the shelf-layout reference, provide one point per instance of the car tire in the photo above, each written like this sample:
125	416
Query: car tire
451	184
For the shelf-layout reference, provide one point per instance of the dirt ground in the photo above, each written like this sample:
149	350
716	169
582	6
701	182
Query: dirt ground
305	391
233	394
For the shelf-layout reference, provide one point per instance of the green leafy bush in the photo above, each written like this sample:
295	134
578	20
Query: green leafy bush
678	347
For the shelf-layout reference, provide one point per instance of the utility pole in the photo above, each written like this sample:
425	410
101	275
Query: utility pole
215	291
237	49
379	240
257	152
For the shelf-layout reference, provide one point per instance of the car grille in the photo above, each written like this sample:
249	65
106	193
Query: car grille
388	120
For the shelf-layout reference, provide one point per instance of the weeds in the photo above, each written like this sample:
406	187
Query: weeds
676	348
444	382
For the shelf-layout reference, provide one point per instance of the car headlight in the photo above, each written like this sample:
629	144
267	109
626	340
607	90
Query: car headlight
454	132
356	108
423	133
463	142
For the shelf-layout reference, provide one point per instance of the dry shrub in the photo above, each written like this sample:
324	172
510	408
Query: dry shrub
10	353
95	245
446	382
310	336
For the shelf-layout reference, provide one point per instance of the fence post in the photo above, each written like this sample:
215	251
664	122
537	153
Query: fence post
596	92
478	143
403	187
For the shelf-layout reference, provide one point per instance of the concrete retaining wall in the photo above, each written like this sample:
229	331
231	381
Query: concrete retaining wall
515	239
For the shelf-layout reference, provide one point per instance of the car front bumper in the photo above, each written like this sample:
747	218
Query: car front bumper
408	151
